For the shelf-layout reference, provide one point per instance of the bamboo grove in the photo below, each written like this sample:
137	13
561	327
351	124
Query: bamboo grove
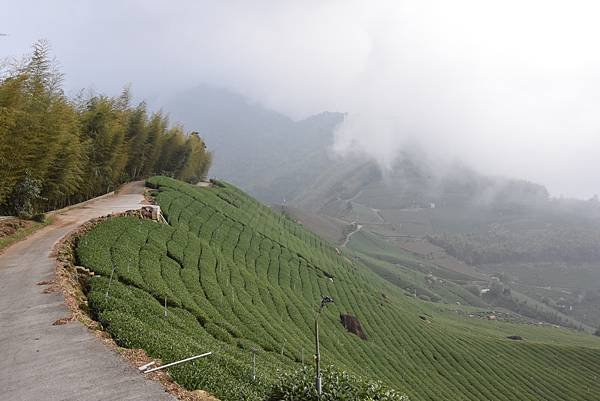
56	150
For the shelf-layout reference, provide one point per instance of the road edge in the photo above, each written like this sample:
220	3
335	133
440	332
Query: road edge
69	280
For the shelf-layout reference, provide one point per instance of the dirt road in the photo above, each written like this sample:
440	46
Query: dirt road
39	361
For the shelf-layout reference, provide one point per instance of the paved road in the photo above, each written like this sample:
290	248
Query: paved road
39	361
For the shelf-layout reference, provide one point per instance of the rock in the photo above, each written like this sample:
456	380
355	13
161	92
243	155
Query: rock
516	338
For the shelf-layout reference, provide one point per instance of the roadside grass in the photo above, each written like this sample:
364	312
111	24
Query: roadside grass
22	233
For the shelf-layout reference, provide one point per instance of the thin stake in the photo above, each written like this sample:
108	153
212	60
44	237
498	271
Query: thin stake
109	282
253	364
283	345
165	306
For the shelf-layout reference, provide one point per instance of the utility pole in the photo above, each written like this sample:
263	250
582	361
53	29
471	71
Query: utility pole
318	381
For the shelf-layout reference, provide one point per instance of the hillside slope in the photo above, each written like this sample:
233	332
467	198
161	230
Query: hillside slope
237	277
267	153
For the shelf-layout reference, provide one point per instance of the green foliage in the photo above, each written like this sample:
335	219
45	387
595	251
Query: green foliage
571	244
238	277
25	195
55	151
336	386
39	217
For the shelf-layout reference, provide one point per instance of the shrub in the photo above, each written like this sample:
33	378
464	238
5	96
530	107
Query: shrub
25	195
337	386
39	217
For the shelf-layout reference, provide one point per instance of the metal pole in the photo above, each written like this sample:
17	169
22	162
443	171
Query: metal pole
178	362
318	356
318	382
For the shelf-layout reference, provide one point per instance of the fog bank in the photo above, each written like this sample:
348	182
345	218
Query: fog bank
510	88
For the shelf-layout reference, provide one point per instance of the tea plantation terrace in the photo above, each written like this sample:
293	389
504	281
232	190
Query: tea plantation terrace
236	276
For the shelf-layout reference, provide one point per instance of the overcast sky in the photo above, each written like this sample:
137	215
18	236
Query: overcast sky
511	88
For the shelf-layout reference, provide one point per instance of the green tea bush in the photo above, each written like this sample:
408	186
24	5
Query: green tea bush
237	277
337	385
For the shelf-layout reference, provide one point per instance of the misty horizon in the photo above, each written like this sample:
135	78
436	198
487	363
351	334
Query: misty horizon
509	90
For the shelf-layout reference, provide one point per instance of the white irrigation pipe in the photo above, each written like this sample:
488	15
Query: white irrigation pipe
146	366
178	362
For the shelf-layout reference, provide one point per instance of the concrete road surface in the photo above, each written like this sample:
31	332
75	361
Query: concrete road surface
42	362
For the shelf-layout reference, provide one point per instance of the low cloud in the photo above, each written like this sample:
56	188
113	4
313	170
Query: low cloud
511	88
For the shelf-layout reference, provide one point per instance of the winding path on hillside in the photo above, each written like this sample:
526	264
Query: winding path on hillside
350	234
39	361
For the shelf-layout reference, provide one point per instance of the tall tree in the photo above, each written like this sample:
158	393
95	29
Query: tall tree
135	136
196	160
55	151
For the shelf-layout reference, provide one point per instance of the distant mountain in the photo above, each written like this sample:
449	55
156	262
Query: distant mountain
278	159
268	154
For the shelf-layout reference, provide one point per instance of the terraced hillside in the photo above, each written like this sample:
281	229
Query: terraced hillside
236	276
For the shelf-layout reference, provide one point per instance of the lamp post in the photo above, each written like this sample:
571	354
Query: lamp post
318	384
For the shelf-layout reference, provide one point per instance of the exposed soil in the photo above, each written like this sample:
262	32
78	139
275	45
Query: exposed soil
10	226
352	324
